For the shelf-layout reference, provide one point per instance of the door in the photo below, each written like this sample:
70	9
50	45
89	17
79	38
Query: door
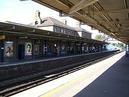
21	51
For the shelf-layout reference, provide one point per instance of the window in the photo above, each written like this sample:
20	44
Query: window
57	29
62	30
36	49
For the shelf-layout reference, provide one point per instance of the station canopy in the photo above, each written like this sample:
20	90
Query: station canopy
10	28
108	16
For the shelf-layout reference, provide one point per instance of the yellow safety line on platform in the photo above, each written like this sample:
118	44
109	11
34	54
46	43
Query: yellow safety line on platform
62	87
55	92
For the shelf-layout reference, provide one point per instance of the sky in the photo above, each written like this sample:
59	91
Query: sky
24	12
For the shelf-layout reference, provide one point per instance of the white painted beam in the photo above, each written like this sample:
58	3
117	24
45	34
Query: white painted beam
82	4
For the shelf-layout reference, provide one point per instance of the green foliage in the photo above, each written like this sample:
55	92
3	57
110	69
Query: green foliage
119	45
100	37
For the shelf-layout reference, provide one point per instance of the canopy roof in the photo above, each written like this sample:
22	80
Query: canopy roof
108	16
26	30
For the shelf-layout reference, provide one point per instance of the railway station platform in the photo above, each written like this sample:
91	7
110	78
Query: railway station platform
107	78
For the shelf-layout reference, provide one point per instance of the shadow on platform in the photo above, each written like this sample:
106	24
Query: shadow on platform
112	83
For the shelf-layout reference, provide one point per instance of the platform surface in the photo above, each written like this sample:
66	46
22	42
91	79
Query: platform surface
112	83
108	78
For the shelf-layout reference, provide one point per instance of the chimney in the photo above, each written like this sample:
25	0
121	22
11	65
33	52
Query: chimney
64	21
78	24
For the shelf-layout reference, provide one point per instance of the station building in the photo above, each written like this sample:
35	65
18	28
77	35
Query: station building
23	42
54	25
83	33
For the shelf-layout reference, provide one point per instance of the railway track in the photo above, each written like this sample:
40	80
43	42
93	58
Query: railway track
39	79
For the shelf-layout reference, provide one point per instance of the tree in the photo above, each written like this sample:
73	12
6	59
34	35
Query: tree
100	37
